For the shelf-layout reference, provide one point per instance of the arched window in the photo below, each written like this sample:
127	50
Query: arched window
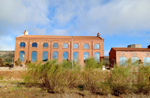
146	61
122	61
75	56
34	44
85	56
45	45
22	44
55	55
135	61
86	46
97	56
21	56
33	56
96	46
65	55
65	45
55	45
45	56
75	46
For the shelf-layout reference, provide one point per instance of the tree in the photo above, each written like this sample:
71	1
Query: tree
18	62
1	62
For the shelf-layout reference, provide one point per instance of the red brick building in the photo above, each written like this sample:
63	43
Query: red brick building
46	47
120	56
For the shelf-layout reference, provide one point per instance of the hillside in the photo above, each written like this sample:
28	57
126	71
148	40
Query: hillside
7	56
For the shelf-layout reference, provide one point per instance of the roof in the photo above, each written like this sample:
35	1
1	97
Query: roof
51	36
130	49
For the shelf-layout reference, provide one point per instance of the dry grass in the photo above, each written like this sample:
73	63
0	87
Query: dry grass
62	80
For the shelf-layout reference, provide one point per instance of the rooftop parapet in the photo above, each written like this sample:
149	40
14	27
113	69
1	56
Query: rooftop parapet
134	46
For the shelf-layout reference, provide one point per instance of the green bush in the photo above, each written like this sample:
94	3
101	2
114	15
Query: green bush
1	78
59	77
53	76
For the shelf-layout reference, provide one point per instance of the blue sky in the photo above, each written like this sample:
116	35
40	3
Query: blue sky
119	22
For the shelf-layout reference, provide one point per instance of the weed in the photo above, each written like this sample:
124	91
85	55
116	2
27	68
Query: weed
1	77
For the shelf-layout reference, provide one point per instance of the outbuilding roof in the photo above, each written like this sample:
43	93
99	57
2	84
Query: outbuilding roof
130	49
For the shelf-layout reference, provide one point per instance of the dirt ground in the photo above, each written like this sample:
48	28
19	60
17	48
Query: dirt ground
12	86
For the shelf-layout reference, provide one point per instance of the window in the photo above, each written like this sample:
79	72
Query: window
45	45
135	61
65	45
33	56
86	46
96	46
146	61
75	46
122	61
55	55
45	56
22	44
21	56
97	57
85	56
34	44
122	53
65	55
55	45
75	56
146	54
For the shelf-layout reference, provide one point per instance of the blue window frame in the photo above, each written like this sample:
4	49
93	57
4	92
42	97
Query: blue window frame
45	45
75	56
75	46
65	45
55	45
34	44
146	61
122	61
97	56
96	46
55	55
85	55
21	56
33	56
65	55
135	61
22	44
86	46
45	56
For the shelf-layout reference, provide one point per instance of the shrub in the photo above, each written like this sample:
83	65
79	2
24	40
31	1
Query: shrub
18	62
53	76
91	64
143	80
1	62
57	77
1	78
121	80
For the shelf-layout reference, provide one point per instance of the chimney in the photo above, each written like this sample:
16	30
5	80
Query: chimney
134	46
25	32
98	35
149	46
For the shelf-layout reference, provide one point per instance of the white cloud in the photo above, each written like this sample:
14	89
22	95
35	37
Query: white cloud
7	43
23	14
59	32
19	15
116	16
74	17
